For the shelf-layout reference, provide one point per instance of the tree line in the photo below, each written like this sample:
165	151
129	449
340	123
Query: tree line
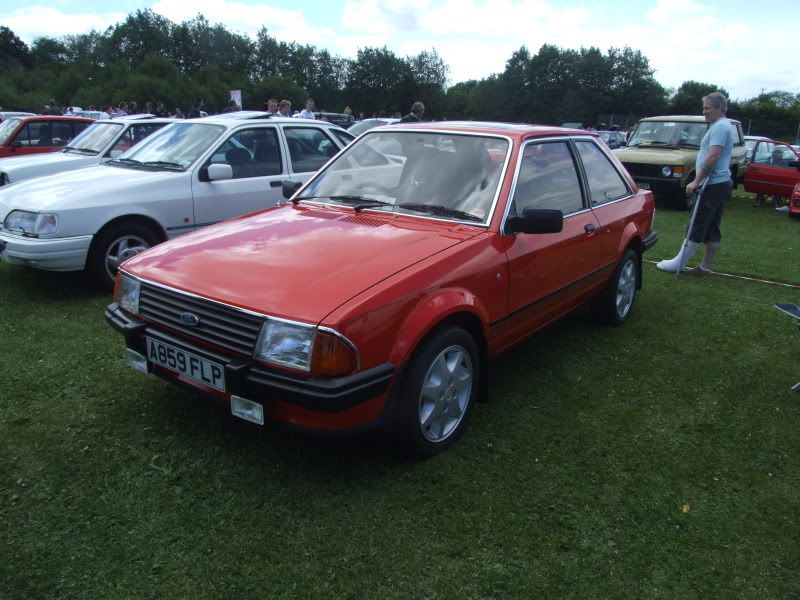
148	57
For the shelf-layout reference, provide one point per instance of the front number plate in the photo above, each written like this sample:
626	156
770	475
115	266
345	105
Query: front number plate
201	370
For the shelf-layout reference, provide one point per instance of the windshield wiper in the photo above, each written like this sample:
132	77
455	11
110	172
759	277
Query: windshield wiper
82	150
440	211
163	163
125	161
359	202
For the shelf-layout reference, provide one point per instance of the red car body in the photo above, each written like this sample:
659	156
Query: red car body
773	169
34	135
387	285
794	202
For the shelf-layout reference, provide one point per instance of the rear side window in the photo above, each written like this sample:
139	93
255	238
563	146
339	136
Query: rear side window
547	179
605	182
309	148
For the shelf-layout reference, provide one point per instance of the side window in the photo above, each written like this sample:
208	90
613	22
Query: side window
763	153
35	134
124	142
61	133
547	179
605	182
309	148
343	137
250	153
781	155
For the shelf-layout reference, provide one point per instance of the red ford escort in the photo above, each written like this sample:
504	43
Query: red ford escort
377	295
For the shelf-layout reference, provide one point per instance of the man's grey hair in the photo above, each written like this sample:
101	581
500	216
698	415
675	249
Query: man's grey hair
718	100
417	108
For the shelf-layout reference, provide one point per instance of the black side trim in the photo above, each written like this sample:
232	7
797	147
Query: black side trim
560	290
260	383
650	240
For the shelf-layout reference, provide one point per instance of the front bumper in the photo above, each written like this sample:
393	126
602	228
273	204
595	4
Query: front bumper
50	254
659	185
260	383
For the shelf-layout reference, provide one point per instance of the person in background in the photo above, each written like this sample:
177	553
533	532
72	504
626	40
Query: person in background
179	113
197	106
308	111
161	110
415	116
712	167
106	112
272	106
133	108
285	109
122	109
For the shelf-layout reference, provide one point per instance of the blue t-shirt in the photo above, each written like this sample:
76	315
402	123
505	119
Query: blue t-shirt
720	133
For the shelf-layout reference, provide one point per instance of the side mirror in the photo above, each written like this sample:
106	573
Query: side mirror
536	220
219	172
115	154
289	188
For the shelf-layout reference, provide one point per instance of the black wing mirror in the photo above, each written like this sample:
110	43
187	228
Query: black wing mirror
289	188
537	220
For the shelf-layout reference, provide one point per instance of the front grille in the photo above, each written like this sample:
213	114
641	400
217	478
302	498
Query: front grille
643	169
220	325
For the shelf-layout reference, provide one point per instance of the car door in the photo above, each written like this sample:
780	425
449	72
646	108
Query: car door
256	160
550	273
771	170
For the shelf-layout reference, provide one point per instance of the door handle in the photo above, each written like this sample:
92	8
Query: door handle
589	228
275	184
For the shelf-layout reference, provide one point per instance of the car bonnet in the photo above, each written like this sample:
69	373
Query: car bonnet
294	262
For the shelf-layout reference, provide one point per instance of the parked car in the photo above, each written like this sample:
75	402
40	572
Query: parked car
361	126
794	202
341	119
662	151
33	135
8	114
750	142
613	139
773	169
378	294
101	141
185	176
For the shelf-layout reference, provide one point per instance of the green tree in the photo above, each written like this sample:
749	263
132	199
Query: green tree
13	50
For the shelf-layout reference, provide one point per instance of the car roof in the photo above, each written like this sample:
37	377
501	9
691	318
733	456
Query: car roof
516	130
231	122
55	118
683	118
242	114
757	138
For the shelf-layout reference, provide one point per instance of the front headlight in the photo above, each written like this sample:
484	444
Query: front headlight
126	292
305	347
31	223
666	171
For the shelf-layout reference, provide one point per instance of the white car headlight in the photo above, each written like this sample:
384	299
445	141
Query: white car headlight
666	171
31	223
286	343
126	293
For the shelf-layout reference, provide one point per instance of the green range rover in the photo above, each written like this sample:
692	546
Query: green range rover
661	154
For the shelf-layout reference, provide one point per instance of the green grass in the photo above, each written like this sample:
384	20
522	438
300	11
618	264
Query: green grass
570	483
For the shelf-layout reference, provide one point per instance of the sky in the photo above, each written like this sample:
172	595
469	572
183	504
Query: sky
744	46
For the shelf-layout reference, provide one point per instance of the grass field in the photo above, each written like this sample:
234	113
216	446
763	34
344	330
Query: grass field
656	460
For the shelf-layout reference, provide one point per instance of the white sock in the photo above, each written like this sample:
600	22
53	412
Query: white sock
673	265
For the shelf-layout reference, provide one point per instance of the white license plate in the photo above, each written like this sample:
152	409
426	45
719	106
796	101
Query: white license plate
644	186
195	367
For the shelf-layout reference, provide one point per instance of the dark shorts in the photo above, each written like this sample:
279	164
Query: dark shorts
709	213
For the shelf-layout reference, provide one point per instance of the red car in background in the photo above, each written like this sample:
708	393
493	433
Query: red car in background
794	202
773	169
377	296
37	134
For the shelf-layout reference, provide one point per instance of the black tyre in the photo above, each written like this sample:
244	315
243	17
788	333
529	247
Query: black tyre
615	303
438	391
115	244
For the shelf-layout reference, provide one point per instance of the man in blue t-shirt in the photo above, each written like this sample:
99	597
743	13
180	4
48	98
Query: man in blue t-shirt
713	169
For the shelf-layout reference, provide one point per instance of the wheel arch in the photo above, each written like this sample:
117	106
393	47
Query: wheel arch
143	220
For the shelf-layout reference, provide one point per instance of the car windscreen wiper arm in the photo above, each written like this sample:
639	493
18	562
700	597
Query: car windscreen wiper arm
163	163
82	150
440	211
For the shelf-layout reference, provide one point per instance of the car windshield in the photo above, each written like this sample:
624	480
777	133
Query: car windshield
668	133
96	137
7	127
448	176
177	145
